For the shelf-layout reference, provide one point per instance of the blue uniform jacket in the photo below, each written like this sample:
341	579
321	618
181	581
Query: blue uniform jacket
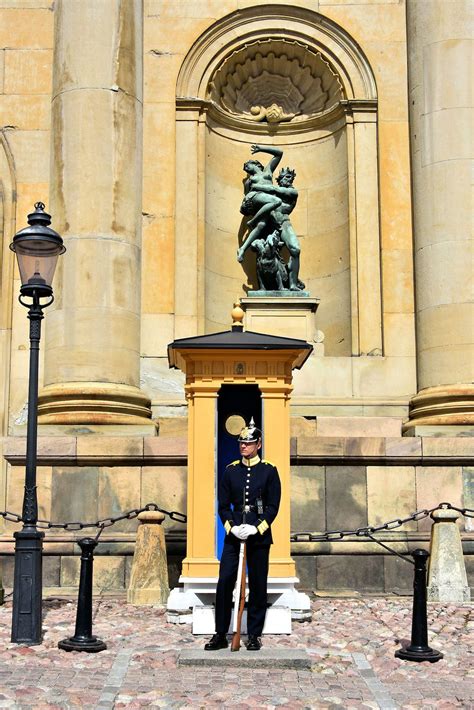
259	479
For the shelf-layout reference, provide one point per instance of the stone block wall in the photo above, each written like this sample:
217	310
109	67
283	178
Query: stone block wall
337	483
345	497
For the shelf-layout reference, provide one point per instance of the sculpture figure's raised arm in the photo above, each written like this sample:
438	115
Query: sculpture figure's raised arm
275	160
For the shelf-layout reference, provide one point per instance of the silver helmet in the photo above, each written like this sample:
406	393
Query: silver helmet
250	433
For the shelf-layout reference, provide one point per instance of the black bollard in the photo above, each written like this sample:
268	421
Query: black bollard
418	650
83	639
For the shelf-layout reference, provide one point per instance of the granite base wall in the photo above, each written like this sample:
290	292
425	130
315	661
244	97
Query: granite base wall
337	483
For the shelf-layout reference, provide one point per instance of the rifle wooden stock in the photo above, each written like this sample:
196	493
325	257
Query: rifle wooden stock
235	645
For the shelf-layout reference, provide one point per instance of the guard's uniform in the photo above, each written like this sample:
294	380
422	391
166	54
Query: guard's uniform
260	481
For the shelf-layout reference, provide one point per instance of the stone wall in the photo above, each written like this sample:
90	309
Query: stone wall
337	483
168	228
114	129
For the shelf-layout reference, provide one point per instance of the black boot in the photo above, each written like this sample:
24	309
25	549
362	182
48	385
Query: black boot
217	641
254	643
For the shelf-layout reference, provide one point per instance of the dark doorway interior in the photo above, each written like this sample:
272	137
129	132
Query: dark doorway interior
235	403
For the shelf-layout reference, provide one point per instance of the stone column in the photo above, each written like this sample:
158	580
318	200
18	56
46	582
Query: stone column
92	344
441	120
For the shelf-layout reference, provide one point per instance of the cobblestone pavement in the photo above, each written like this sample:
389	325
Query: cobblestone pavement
351	642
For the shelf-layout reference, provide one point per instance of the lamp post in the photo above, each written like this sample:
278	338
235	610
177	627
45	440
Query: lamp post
37	248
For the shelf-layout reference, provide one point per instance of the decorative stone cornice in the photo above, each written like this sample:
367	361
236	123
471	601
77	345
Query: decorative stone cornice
192	103
99	450
243	125
360	110
352	106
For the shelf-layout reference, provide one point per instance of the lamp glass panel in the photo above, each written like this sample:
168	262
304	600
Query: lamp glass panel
37	260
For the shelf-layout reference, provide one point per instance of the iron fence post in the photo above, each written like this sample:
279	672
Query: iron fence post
83	640
418	650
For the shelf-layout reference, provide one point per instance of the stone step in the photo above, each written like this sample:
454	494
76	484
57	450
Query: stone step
265	658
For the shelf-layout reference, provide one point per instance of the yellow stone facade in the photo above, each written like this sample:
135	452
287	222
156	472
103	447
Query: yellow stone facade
125	131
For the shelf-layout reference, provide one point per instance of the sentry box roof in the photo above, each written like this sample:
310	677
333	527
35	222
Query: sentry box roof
238	339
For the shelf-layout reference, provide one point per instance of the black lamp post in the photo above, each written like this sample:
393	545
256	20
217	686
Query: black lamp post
37	248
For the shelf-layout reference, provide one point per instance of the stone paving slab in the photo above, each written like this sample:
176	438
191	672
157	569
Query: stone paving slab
350	642
265	658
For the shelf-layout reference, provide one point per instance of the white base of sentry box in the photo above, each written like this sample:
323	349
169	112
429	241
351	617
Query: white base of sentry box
277	620
194	603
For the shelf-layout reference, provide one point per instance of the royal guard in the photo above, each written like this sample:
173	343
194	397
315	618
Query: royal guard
249	498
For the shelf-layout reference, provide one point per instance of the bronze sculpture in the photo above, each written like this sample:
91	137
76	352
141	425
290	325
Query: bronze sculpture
268	207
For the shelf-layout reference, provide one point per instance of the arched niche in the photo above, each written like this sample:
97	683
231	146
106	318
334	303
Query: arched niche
288	77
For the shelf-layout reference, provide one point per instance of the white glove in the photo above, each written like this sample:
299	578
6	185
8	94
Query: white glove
247	530
237	531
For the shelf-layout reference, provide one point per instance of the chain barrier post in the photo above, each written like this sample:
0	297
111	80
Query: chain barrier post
418	650
83	640
447	578
149	576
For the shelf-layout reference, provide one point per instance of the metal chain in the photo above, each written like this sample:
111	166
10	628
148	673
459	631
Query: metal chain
403	556
101	524
327	536
12	517
369	530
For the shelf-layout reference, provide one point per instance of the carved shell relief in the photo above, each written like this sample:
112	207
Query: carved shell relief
274	81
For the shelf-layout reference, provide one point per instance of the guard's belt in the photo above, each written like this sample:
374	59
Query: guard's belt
240	508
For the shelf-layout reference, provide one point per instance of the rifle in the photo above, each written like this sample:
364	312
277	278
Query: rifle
239	591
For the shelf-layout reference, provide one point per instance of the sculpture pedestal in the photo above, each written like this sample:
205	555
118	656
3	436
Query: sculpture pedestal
290	314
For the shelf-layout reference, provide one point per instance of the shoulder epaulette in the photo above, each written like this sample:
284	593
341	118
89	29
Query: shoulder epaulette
233	463
270	462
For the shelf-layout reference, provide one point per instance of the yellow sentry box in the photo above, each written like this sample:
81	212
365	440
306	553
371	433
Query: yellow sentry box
235	357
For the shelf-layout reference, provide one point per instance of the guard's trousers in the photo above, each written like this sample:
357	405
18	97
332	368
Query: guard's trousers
257	569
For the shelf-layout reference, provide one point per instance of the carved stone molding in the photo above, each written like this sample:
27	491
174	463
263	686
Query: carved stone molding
275	80
239	35
442	405
290	132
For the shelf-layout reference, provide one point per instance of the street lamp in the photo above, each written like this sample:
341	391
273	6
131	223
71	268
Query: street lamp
37	248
